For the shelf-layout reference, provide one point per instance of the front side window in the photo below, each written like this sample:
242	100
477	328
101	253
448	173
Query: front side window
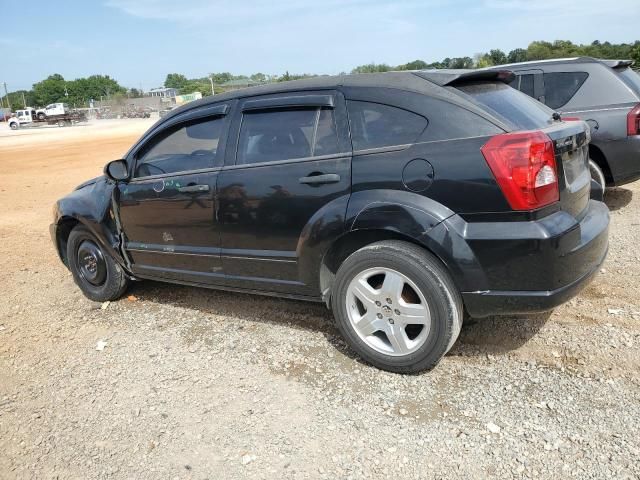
272	135
560	87
375	125
185	147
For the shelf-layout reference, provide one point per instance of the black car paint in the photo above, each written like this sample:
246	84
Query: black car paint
460	215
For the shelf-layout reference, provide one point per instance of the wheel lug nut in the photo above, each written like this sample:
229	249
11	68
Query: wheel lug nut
391	321
397	312
378	303
379	315
389	300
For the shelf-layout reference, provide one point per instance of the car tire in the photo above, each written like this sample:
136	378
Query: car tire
397	306
597	174
14	126
96	273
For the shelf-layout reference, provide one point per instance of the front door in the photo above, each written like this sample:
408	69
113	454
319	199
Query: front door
290	176
168	209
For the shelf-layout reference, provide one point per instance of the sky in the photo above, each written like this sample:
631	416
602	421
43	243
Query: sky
138	42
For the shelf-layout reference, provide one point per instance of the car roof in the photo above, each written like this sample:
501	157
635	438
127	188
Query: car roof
409	80
571	60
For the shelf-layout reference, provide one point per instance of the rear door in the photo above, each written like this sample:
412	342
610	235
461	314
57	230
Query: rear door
286	184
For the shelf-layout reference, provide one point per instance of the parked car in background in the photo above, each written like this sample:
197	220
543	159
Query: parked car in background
399	199
605	94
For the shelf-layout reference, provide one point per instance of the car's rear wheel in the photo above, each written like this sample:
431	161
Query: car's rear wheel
597	174
97	274
397	306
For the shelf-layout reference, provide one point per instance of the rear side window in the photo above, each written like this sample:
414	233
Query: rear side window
525	84
286	135
374	125
186	147
515	108
560	87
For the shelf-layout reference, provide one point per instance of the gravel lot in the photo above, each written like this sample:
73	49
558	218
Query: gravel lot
199	384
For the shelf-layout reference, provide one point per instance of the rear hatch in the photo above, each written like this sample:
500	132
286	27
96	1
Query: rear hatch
519	112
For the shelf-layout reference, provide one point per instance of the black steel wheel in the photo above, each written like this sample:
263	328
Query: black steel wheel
96	273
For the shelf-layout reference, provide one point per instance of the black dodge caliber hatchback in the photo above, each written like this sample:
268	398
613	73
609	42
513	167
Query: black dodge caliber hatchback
399	199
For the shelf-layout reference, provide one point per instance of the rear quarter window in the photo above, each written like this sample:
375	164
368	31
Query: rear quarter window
560	87
374	125
630	78
514	108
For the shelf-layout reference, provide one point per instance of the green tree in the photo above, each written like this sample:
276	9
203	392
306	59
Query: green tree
497	57
49	90
258	77
517	55
372	68
462	62
175	80
134	93
483	61
415	65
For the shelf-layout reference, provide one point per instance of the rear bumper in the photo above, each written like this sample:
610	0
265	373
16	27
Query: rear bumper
536	266
511	302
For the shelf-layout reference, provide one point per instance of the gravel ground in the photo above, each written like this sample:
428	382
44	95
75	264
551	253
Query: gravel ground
184	383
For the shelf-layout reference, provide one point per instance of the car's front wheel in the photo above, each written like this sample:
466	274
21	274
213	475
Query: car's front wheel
96	273
397	306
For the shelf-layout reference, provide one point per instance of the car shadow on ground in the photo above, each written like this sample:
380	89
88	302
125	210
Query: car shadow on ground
479	337
498	335
617	198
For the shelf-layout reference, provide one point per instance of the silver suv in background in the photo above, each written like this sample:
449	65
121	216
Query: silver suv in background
605	94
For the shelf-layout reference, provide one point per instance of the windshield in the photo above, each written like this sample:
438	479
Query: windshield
515	108
631	78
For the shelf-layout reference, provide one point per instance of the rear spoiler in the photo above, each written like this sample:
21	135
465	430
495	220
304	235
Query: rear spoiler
446	77
617	64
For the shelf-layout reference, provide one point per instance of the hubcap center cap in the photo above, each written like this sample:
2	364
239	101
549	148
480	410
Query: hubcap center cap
386	310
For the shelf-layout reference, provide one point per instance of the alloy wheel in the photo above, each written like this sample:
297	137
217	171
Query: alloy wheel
388	312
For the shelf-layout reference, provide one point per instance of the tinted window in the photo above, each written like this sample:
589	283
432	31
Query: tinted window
286	134
190	146
375	125
631	78
525	84
515	108
559	87
326	135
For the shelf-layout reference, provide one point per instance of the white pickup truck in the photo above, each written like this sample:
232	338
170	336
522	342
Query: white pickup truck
54	114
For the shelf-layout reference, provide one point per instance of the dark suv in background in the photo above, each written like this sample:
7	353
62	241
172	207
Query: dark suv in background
399	199
605	94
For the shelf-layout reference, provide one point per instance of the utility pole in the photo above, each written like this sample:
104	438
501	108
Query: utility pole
24	102
6	94
211	80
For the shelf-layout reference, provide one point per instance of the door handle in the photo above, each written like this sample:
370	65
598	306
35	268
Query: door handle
319	179
194	188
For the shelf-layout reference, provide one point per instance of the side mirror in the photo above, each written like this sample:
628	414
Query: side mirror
116	170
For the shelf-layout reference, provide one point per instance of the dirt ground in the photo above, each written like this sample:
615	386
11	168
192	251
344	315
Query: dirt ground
199	384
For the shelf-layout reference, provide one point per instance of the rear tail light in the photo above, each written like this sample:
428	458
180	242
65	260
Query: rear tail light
570	119
525	168
633	121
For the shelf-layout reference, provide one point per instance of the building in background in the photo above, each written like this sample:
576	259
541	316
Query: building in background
163	92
